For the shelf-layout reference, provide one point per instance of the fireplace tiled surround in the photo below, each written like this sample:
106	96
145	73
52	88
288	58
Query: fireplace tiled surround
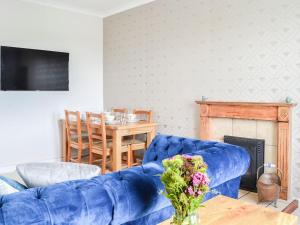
258	129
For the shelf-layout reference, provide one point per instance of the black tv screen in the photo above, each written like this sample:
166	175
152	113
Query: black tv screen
28	69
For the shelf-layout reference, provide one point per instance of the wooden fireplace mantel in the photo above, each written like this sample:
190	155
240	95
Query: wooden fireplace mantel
277	112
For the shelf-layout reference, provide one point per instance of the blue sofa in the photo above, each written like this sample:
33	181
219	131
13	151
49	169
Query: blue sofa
127	197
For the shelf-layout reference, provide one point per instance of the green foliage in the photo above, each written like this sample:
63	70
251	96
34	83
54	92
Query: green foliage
186	184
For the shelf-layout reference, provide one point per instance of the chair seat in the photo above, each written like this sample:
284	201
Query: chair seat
136	144
133	141
83	135
85	144
98	148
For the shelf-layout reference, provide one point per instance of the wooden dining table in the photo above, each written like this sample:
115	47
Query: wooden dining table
117	131
222	210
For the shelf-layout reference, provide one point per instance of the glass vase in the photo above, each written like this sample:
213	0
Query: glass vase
192	219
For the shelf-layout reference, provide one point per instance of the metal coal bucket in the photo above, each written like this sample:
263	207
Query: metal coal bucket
269	184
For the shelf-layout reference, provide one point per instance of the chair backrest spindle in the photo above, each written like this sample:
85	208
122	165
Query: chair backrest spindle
96	128
97	137
73	125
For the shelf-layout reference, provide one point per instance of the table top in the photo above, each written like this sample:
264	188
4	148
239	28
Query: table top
119	126
222	210
129	125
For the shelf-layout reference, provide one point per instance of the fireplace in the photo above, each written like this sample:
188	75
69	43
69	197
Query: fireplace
280	113
256	149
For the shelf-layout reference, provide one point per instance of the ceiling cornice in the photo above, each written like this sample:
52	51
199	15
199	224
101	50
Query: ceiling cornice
87	11
66	8
122	9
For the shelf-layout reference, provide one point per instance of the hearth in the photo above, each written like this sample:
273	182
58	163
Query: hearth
256	149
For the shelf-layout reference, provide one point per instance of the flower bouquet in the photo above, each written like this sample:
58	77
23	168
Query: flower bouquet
186	184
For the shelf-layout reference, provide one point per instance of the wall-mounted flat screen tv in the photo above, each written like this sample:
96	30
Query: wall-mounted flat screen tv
34	70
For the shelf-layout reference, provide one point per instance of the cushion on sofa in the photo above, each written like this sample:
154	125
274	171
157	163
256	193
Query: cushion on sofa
44	174
9	186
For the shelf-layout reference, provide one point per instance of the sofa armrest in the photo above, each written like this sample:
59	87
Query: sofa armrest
72	202
225	162
135	192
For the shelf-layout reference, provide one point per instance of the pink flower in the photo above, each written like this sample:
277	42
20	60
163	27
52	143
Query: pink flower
190	191
187	156
200	179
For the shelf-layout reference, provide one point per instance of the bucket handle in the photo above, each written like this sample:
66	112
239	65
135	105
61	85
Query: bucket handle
269	165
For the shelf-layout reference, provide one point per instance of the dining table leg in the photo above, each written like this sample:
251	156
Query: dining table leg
64	141
117	151
150	136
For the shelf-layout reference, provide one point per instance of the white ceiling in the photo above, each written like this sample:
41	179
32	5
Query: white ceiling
100	8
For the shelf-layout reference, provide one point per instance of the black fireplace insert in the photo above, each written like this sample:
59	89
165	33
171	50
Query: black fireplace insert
256	149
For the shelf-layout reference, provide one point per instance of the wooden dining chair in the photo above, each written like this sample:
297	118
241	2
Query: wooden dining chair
75	138
98	143
139	142
144	115
120	110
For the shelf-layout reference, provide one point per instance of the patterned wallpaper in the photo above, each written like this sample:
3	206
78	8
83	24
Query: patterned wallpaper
168	53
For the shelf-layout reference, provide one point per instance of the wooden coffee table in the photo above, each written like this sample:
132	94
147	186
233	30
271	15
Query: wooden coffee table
222	210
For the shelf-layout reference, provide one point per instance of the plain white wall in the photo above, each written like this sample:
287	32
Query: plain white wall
29	120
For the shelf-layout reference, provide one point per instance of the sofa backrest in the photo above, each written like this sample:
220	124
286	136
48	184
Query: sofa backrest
113	199
166	146
225	161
